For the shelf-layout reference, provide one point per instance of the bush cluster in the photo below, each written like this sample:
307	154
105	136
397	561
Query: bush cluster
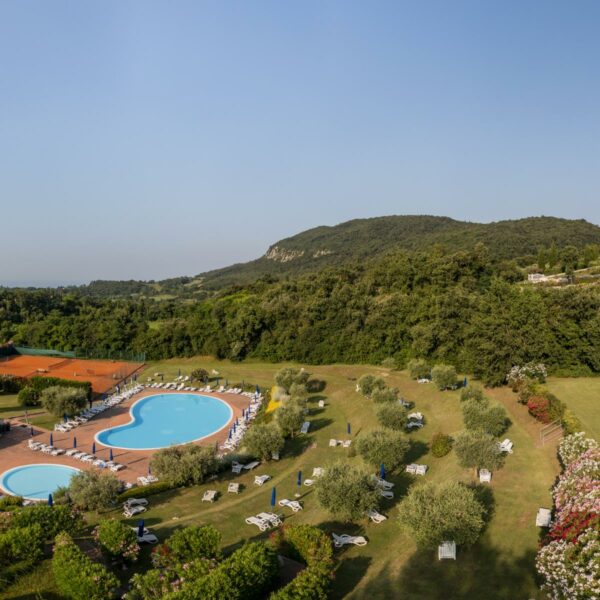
184	465
441	444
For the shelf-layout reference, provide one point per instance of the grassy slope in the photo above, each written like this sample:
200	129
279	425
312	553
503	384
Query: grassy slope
499	566
582	396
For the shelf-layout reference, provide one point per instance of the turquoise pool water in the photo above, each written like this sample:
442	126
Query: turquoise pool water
166	420
35	482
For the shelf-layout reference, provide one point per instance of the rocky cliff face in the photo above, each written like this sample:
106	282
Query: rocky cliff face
279	254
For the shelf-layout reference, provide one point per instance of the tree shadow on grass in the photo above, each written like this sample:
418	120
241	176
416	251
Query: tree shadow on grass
479	573
417	449
315	386
319	423
484	494
297	445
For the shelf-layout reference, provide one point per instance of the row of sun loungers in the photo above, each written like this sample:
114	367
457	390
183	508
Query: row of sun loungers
76	454
237	467
415	420
264	520
416	469
147	479
344	443
236	436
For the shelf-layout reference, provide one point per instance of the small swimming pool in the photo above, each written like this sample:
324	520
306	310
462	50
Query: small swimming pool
35	482
168	419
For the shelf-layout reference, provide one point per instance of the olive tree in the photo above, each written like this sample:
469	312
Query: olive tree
472	393
61	400
438	512
200	375
444	376
347	492
91	490
184	465
380	395
289	417
262	440
392	416
383	446
478	415
367	384
478	450
287	376
419	368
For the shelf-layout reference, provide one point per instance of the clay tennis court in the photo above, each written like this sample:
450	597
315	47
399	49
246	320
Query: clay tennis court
104	375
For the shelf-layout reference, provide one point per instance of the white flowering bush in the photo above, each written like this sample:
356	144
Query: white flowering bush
531	370
571	571
573	446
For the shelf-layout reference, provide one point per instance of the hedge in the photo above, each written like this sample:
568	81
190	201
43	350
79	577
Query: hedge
145	491
39	383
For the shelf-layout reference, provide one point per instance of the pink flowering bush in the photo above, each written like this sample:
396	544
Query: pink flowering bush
573	446
571	570
117	540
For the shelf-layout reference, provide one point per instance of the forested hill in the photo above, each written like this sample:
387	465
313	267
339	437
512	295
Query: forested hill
362	239
367	238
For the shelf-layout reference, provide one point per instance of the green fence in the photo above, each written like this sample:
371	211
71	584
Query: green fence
84	354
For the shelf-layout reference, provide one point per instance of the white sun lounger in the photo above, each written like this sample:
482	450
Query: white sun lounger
386	494
382	483
344	538
447	550
271	518
233	488
309	482
485	476
260	523
376	517
252	465
333	443
209	496
261	479
506	446
305	427
543	517
346	443
293	504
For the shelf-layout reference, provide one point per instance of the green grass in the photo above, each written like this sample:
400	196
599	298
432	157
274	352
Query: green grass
499	566
36	585
9	406
582	396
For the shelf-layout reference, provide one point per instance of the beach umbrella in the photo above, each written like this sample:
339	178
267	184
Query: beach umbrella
348	428
65	418
178	372
91	402
50	501
93	447
31	431
273	497
140	531
162	377
382	471
299	480
110	455
229	436
234	427
217	446
257	390
465	382
51	440
74	441
149	470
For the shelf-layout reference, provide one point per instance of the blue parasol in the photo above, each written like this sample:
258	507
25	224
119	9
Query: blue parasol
382	471
348	428
299	480
273	497
50	501
110	455
93	447
74	442
51	440
140	530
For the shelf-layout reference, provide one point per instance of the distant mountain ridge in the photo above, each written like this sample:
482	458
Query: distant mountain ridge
363	239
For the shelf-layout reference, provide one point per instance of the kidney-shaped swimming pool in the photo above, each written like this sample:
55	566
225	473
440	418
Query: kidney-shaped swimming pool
165	420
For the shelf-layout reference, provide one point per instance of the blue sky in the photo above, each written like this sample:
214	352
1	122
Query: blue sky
152	139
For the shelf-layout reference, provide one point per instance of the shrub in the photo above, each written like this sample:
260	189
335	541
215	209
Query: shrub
28	397
52	519
441	444
59	400
289	417
384	395
532	371
200	375
383	446
478	450
22	544
184	465
472	393
347	492
435	513
479	416
444	376
419	368
145	491
10	503
392	416
539	407
262	440
117	540
367	384
570	422
389	363
92	490
573	447
76	576
196	541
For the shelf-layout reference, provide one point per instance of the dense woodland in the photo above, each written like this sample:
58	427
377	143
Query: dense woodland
463	308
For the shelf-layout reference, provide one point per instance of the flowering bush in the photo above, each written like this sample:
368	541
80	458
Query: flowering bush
539	407
117	540
573	446
530	370
571	571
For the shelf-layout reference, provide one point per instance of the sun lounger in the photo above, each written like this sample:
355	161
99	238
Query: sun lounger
333	443
134	502
506	446
271	518
386	494
133	510
382	483
117	467
321	403
261	479
233	488
57	452
252	465
293	504
236	467
260	523
71	452
209	496
346	443
376	517
543	517
485	476
447	550
305	427
309	482
414	425
318	472
147	538
344	538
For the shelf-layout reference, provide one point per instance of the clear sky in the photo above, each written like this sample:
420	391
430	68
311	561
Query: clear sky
153	139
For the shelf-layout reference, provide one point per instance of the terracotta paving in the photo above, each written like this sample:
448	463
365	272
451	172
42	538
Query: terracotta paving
14	451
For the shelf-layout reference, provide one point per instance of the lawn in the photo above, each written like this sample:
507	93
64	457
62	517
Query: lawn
499	566
582	396
9	406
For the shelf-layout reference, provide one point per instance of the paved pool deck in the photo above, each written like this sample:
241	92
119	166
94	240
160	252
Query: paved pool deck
14	451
